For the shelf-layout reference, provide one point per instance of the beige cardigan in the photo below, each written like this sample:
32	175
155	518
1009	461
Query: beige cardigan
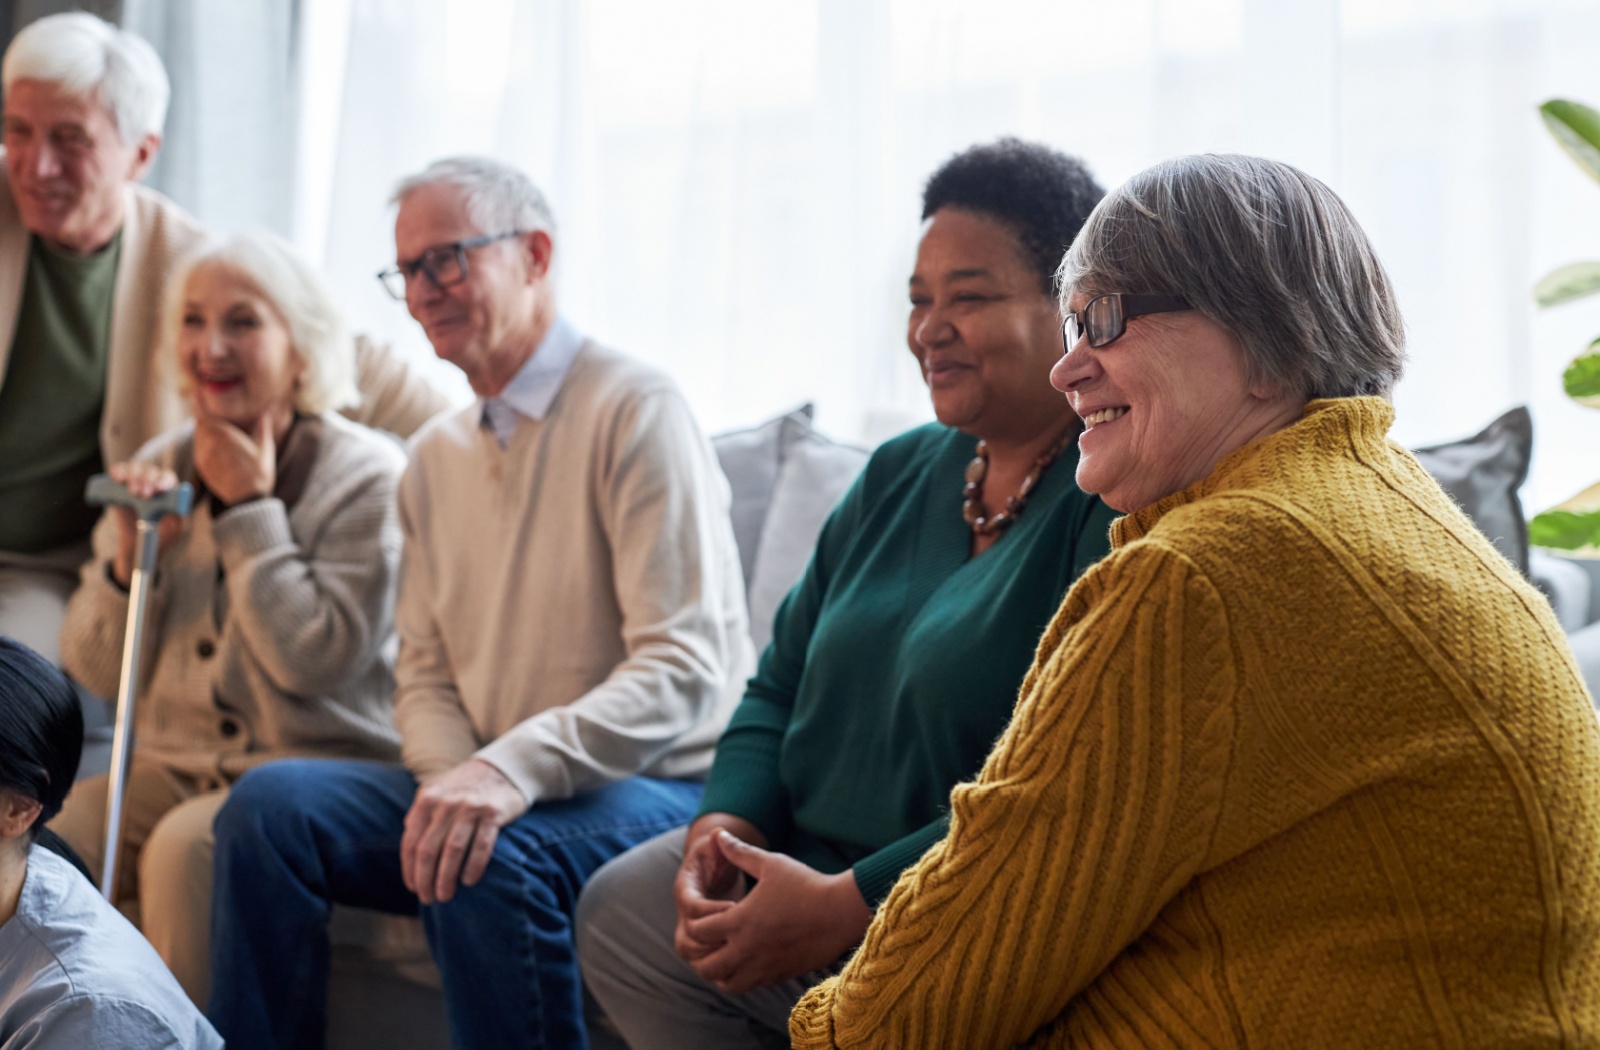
141	400
271	631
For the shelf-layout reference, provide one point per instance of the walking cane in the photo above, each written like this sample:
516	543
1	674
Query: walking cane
102	491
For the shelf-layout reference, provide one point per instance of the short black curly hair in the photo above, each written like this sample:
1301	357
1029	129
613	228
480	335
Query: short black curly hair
1040	193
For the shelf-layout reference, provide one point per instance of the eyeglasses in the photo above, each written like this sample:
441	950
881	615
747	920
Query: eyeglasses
1105	317
443	264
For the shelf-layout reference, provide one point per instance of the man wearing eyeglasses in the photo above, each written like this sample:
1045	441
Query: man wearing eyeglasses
85	252
572	640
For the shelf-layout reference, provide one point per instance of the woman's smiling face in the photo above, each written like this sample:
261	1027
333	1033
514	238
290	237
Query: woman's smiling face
1162	405
982	329
234	349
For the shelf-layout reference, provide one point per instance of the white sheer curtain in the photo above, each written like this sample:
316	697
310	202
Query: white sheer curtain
738	180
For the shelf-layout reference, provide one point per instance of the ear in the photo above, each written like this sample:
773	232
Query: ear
17	814
144	155
540	251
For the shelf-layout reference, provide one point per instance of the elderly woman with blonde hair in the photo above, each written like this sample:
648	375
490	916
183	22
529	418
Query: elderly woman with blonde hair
1304	761
271	617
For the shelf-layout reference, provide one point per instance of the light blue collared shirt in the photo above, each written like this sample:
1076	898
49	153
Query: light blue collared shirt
533	389
75	973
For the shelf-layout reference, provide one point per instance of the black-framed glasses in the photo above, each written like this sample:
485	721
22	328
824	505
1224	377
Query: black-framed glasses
443	264
1105	317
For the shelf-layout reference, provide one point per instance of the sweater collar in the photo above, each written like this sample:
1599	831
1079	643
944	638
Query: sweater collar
1327	425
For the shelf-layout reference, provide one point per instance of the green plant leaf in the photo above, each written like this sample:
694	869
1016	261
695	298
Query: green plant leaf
1581	380
1565	530
1577	128
1566	283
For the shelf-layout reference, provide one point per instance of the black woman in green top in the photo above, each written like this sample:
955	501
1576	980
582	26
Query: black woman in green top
895	661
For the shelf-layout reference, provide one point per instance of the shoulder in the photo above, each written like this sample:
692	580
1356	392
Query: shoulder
916	451
106	986
160	219
626	405
609	383
349	445
447	431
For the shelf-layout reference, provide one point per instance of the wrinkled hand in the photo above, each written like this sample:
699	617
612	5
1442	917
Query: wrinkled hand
707	883
143	480
452	826
794	921
235	466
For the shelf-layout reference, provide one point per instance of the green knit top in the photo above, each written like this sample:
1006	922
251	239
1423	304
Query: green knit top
895	661
51	395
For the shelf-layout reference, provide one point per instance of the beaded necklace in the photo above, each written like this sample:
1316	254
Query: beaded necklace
978	469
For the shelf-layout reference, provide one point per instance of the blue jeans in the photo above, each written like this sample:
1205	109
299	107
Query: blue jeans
298	835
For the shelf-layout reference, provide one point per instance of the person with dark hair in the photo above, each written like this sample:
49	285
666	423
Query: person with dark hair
896	659
73	972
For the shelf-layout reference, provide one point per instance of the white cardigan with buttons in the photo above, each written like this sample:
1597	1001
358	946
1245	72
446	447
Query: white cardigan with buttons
270	630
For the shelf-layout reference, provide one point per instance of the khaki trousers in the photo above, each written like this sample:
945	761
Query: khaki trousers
165	872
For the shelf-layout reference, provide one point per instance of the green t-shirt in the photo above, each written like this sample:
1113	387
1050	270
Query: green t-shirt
52	395
896	660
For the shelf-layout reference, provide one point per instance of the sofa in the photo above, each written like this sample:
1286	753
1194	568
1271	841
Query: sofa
784	478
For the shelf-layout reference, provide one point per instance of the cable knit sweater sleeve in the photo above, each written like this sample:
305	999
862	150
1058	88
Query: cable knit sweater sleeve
1096	807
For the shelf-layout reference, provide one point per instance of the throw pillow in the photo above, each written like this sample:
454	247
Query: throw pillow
786	479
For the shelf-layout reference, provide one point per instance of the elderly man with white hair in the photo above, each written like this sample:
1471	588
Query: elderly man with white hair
85	255
572	640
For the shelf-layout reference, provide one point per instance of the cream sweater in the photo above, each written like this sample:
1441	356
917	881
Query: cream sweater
571	608
1303	762
270	632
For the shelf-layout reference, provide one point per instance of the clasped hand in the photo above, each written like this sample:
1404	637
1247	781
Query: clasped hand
795	920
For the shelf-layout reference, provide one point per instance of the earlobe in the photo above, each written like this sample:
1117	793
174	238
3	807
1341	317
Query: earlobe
17	814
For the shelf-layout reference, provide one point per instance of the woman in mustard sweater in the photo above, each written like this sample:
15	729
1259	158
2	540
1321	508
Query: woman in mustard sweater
1304	761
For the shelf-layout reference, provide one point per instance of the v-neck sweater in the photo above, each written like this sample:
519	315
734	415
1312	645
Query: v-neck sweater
896	659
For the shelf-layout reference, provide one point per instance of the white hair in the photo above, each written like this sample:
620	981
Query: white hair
93	59
499	197
316	331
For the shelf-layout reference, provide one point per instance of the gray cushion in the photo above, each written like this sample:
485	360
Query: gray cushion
1565	583
785	479
1483	474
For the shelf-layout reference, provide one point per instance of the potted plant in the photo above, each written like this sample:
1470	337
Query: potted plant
1575	524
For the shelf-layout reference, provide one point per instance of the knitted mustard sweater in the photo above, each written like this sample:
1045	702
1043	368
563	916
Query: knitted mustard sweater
1303	762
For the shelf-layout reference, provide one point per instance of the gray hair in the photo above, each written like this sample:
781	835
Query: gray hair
93	59
316	331
1264	250
499	197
